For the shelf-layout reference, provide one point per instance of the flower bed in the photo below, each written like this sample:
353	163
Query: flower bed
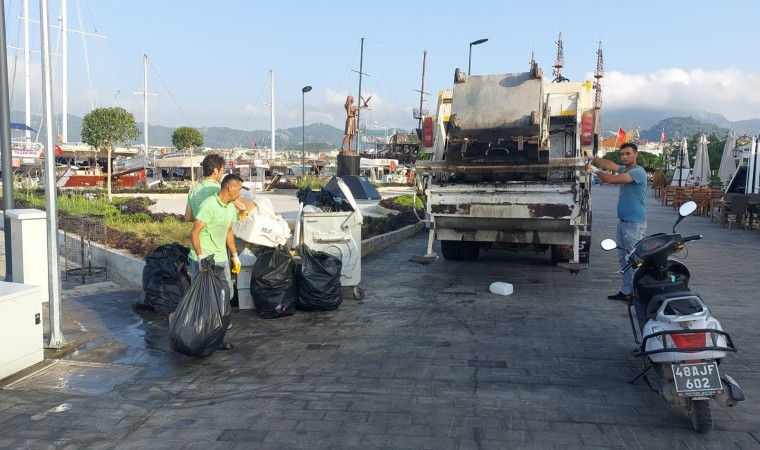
132	227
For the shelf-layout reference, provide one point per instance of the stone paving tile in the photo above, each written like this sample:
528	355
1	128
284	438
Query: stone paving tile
430	359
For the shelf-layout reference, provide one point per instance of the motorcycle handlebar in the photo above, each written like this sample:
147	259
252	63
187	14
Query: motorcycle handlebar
696	237
626	267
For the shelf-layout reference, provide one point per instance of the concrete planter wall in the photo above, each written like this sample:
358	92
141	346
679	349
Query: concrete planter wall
128	268
377	243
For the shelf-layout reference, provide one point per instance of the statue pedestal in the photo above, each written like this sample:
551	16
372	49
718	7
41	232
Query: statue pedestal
348	165
348	171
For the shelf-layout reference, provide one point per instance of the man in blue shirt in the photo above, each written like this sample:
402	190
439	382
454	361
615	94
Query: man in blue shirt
631	211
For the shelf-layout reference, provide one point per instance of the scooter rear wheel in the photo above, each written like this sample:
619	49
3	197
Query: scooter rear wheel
700	415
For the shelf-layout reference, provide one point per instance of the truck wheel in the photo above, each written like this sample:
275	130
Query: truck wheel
450	250
556	255
469	251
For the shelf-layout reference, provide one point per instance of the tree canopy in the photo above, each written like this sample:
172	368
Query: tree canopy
103	127
184	138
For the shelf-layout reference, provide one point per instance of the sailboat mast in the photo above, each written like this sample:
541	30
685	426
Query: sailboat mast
422	88
145	103
271	105
359	99
64	74
27	79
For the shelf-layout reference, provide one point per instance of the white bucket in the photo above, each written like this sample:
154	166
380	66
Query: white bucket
501	288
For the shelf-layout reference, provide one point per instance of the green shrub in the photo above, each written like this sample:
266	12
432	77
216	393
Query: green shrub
402	203
309	181
136	218
715	182
406	200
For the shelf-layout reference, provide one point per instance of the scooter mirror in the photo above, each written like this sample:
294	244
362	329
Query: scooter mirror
687	208
609	244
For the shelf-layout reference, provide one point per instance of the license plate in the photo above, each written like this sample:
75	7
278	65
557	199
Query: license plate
697	379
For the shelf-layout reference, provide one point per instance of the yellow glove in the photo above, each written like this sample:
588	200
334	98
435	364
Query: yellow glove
242	214
235	267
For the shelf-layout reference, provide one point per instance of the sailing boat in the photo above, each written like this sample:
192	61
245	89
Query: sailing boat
26	155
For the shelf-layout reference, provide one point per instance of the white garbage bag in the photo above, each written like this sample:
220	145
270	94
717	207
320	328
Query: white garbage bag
262	227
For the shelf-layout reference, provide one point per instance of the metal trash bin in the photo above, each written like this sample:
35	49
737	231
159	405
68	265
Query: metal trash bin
338	234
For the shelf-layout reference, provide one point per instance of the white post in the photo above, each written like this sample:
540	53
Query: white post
64	75
54	282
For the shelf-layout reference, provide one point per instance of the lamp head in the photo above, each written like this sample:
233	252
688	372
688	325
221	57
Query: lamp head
478	42
306	89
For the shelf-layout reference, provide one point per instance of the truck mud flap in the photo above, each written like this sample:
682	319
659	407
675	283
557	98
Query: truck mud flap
584	250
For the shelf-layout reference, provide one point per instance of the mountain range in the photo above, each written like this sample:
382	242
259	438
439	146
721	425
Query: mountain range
676	123
320	136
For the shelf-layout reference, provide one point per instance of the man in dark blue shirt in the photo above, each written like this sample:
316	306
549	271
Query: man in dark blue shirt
631	211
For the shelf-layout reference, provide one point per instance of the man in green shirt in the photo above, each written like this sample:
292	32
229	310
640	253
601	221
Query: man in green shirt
213	170
212	230
212	233
208	186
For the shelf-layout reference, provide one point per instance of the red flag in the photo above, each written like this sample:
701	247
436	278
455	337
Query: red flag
662	138
621	137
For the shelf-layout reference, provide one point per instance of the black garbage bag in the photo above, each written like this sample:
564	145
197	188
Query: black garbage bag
307	196
202	317
165	278
326	200
273	285
318	280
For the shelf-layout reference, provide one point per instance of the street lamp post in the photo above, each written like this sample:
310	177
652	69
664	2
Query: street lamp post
469	59
303	129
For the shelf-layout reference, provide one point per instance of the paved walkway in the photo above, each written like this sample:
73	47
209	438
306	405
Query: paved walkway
429	360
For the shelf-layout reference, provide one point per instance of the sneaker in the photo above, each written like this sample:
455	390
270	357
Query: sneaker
620	296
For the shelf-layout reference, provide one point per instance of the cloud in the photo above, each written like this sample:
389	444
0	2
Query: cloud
731	92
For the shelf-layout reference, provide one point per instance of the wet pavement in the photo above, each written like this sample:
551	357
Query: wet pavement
430	359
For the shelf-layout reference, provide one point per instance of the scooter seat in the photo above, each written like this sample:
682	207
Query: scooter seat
689	303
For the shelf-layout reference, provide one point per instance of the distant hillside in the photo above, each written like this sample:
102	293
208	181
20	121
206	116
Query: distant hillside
319	136
646	119
678	127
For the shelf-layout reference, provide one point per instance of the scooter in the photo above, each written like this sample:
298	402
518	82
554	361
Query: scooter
681	341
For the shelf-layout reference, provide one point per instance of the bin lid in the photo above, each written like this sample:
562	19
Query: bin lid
349	196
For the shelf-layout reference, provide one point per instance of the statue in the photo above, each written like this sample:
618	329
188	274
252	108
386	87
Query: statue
351	112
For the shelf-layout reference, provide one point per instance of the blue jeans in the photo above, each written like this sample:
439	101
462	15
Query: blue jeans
195	268
628	234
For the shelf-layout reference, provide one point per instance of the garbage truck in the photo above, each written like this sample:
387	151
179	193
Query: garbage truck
507	167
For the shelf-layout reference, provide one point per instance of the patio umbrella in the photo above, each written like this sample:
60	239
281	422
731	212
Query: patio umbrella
727	161
681	174
701	173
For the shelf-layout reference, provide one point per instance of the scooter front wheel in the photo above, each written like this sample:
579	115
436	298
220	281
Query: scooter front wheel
700	415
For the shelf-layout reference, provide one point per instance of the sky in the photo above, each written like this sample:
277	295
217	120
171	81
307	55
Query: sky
210	62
